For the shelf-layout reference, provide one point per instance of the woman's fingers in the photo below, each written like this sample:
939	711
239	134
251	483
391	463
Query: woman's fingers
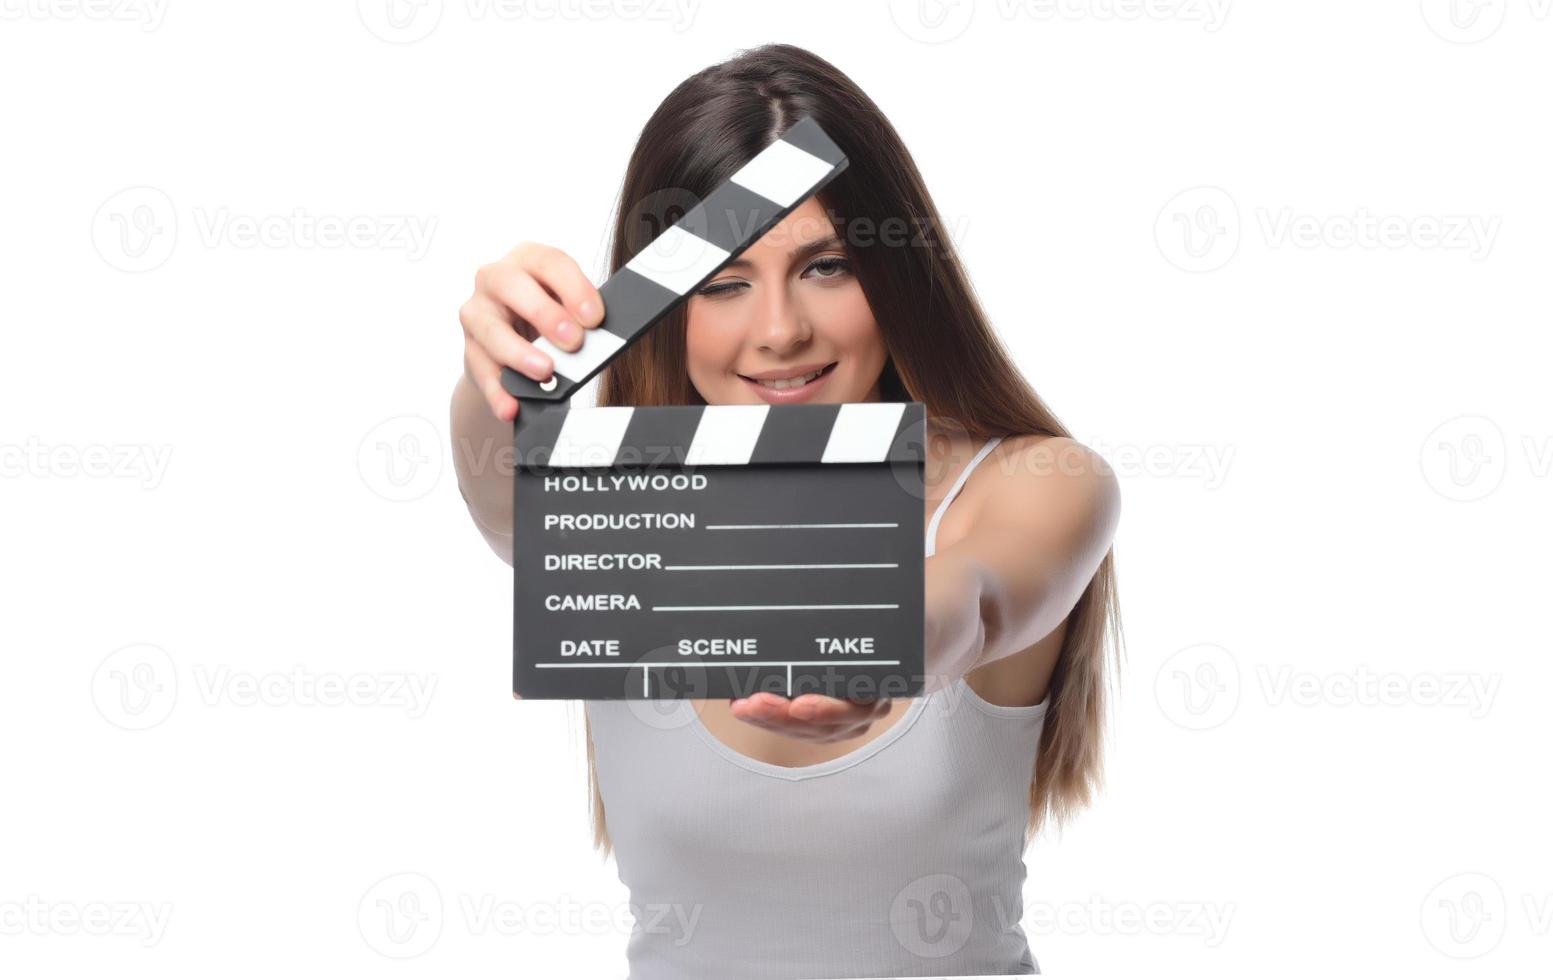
535	291
513	289
797	729
485	375
491	328
560	274
823	710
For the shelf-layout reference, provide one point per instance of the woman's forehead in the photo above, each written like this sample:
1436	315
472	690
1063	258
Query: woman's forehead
808	223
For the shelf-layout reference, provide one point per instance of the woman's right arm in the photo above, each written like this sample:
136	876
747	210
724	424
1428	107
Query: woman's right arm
533	291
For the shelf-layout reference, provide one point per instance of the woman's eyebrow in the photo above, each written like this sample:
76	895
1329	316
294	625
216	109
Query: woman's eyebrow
801	252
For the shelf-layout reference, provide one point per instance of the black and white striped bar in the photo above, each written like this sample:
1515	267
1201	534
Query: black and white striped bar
723	435
714	551
688	253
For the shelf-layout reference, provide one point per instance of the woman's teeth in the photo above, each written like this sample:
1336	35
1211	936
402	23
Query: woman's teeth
784	383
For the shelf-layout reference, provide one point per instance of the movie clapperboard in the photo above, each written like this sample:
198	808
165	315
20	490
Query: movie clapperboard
701	551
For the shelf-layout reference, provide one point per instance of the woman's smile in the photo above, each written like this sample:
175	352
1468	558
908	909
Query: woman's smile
786	387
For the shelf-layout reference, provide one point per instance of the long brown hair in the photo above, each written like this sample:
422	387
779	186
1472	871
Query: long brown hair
942	351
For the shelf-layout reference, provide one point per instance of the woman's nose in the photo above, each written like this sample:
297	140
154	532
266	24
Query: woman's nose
782	326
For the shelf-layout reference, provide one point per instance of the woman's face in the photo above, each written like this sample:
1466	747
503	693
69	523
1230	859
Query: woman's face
785	309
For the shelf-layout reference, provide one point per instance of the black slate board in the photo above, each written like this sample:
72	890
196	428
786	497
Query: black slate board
636	529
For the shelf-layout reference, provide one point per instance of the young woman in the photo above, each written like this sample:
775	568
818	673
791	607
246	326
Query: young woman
816	837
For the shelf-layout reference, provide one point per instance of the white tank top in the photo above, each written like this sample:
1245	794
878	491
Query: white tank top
901	858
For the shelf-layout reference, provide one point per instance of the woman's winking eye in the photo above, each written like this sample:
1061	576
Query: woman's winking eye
832	266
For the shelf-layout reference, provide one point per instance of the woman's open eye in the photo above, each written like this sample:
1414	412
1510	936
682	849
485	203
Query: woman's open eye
831	267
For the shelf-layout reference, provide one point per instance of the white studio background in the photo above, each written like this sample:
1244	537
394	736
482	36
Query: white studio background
1284	264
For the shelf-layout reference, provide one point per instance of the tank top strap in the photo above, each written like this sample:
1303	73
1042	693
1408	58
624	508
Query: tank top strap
954	491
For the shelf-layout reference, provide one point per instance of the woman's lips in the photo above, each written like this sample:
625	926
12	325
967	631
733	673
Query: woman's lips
786	396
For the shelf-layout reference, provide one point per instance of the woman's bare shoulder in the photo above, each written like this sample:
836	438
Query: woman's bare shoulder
1040	452
1055	476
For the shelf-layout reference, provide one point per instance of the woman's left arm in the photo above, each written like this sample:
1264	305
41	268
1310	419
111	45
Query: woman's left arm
1041	530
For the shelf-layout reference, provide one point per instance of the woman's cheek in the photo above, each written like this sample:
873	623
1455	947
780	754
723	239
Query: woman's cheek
847	308
708	352
862	341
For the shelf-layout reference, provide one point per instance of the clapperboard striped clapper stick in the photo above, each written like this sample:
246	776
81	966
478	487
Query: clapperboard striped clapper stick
714	551
688	253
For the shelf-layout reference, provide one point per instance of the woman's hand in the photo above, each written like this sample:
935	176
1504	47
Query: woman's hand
812	717
952	641
533	291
